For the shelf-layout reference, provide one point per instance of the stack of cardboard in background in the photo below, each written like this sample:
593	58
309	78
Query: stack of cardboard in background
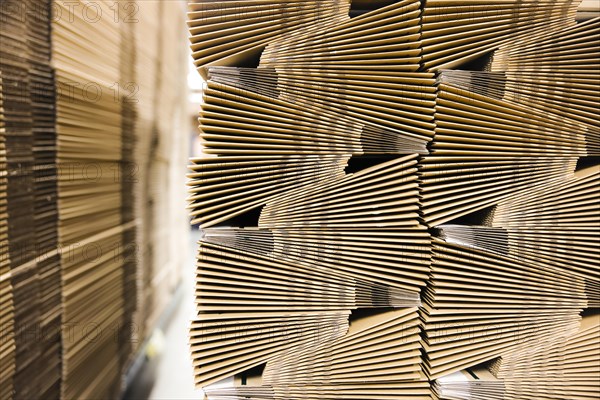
162	137
145	103
171	144
77	189
16	55
43	100
394	193
89	137
7	344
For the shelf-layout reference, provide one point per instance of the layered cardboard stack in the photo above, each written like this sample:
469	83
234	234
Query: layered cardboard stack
7	336
219	32
145	103
16	59
170	229
89	138
73	297
155	172
457	32
396	194
548	369
43	100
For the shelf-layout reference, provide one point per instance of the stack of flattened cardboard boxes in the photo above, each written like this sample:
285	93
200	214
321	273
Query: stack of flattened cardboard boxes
79	106
398	199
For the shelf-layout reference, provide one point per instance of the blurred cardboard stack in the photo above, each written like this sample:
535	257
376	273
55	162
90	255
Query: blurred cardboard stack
162	140
396	194
15	62
7	344
72	276
170	145
90	139
43	99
